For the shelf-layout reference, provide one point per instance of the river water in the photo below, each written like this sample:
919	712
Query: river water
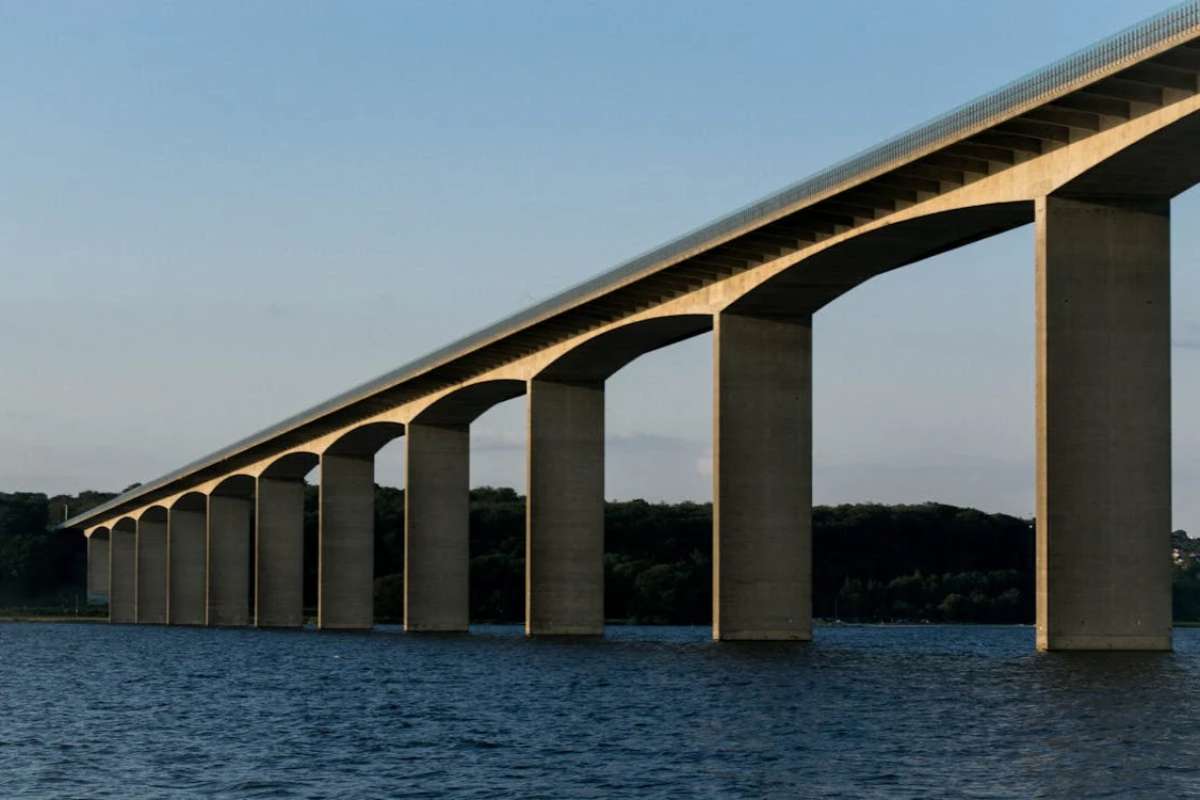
92	711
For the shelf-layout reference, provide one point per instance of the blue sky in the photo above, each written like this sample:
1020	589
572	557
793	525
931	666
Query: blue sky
213	215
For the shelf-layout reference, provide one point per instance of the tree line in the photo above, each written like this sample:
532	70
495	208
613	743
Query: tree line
872	562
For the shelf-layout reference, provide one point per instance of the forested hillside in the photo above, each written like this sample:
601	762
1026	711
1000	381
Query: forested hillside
871	562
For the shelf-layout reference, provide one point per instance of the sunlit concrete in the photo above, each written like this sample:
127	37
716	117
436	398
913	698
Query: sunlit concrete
345	587
762	478
97	567
187	531
1125	131
279	555
437	527
151	568
122	576
1103	424
564	566
228	603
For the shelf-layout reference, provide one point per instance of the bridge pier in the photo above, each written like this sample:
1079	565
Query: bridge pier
151	570
762	478
346	591
564	544
437	511
122	573
97	568
1103	424
279	554
228	603
186	534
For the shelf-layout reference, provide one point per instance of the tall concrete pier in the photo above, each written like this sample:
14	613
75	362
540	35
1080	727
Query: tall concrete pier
187	530
345	598
564	578
150	568
122	585
279	553
228	566
1103	424
97	566
437	526
762	518
1091	150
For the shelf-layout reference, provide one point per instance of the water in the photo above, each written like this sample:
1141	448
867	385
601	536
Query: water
91	711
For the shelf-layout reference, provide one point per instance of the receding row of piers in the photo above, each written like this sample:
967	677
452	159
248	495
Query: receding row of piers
234	555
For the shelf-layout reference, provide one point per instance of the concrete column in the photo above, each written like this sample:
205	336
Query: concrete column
564	538
151	570
345	586
1103	425
186	580
228	560
437	513
97	569
762	478
122	580
279	555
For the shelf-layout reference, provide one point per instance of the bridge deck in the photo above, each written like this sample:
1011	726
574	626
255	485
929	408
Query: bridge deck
1143	68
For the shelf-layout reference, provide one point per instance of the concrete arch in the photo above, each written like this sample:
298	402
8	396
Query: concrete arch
463	406
291	466
365	440
122	572
598	358
235	486
817	280
191	501
97	544
153	514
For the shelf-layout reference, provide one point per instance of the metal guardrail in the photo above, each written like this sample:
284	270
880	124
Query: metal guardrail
1179	22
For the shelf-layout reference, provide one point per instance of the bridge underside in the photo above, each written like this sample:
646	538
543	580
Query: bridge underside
1094	166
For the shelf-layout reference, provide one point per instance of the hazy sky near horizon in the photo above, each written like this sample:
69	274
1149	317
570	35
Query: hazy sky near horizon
214	215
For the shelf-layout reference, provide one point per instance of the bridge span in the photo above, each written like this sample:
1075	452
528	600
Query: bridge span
1090	149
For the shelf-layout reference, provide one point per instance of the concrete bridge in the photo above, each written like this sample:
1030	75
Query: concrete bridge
1091	150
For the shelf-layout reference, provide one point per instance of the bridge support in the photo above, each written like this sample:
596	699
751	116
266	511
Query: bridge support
122	574
762	478
228	561
564	539
279	554
151	571
186	534
97	568
1103	425
436	527
346	592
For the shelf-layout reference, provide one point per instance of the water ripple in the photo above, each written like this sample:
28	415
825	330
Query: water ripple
862	712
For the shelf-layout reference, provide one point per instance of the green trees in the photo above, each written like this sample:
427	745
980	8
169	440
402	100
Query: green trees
871	562
39	567
998	596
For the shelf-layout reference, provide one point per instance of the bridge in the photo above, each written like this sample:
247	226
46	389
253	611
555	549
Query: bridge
1090	149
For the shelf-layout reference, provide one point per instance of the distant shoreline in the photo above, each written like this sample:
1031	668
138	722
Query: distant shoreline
50	618
11	618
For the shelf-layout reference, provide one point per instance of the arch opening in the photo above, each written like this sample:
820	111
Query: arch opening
818	280
192	501
572	577
366	440
922	414
598	358
658	486
154	514
286	565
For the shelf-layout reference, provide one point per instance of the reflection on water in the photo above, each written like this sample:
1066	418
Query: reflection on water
126	712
